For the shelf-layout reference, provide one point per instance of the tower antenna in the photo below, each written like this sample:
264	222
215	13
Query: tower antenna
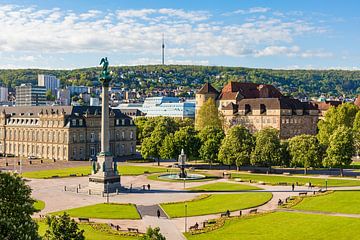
163	50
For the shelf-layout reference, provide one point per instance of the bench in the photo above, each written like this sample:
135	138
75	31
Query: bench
84	220
253	211
286	173
133	230
195	227
282	184
303	194
224	215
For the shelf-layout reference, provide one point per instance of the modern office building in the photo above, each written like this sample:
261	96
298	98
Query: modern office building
50	82
163	106
78	89
4	94
63	132
29	95
63	97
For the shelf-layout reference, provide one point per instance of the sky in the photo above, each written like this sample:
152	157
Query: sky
279	34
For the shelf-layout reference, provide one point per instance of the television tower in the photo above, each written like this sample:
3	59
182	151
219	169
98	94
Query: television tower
163	50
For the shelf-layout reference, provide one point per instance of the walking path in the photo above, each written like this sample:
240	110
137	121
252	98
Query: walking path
52	192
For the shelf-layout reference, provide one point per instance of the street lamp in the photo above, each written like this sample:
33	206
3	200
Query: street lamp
185	217
326	184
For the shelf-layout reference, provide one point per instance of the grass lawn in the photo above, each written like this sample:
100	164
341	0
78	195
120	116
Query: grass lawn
86	170
39	205
208	177
217	203
94	232
275	179
104	211
223	186
282	225
338	201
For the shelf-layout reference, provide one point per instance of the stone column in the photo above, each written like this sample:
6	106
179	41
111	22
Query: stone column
105	120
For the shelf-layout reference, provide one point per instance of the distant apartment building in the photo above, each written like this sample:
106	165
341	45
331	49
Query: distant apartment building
63	97
29	95
50	82
4	94
162	106
78	89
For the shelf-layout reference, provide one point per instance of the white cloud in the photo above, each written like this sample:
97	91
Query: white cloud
188	34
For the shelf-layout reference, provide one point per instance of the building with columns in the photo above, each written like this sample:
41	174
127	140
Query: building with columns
63	132
257	106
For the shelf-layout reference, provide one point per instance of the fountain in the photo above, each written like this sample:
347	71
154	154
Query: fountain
182	175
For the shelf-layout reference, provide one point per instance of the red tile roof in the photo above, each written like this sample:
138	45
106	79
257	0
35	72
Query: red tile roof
248	90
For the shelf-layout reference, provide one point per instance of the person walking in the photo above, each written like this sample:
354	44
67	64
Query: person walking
158	213
293	187
148	187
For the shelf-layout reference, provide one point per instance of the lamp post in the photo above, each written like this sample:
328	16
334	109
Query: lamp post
326	184
185	217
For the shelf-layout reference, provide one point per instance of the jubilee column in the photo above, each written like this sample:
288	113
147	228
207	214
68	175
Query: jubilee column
104	177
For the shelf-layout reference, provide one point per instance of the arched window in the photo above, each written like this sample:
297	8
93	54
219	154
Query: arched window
248	109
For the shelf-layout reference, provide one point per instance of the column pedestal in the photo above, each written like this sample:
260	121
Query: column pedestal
106	179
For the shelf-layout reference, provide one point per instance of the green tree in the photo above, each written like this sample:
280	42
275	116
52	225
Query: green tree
285	154
335	117
16	208
168	149
153	234
49	95
210	138
208	115
305	151
236	147
150	147
186	138
62	228
267	150
356	132
341	148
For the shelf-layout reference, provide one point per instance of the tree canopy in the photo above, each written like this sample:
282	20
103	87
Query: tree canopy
208	115
62	228
305	151
267	150
16	209
236	147
210	138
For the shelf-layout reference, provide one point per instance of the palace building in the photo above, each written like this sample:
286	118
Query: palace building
257	106
63	132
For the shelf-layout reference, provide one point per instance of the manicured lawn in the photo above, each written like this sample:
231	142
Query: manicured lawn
284	226
104	211
86	170
39	205
217	203
339	201
275	179
94	232
223	186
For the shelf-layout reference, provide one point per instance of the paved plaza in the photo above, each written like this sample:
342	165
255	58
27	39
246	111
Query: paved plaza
53	193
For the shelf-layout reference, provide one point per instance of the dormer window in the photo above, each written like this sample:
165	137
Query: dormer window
117	122
262	109
248	109
80	122
74	122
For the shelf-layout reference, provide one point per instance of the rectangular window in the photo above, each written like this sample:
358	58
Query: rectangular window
122	135
92	151
92	137
74	122
80	122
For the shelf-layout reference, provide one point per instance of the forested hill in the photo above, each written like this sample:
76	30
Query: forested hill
292	82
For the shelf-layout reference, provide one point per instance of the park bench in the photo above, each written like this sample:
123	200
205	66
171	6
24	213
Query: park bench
84	219
286	173
253	211
282	184
195	227
303	194
55	176
72	175
133	230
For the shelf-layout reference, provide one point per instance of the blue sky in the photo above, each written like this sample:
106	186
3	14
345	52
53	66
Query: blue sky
285	34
